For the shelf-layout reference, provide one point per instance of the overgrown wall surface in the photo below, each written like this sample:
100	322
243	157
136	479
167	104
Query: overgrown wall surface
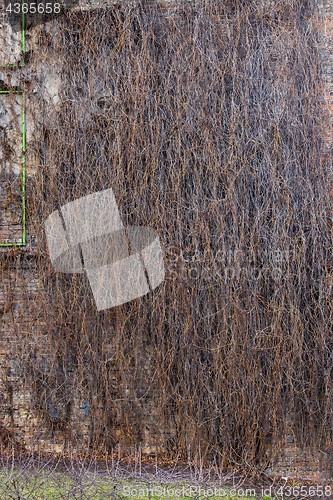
326	32
207	125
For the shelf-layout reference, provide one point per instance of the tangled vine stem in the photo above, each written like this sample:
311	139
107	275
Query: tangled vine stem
208	123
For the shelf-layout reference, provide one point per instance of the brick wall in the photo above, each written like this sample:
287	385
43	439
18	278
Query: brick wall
326	25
